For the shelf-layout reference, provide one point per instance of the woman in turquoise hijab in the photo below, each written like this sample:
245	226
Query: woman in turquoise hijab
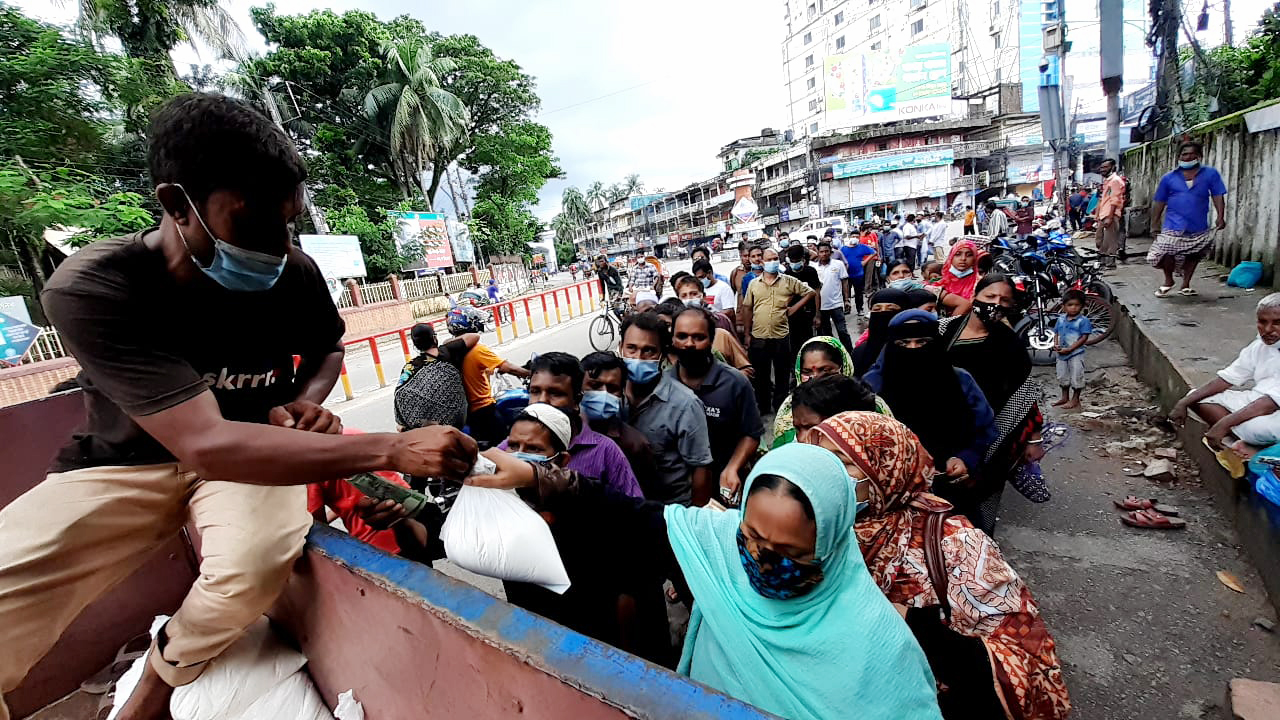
785	615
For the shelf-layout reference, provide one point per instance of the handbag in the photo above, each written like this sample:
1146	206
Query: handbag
933	560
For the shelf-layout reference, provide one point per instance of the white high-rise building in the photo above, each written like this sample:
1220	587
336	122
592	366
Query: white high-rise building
867	42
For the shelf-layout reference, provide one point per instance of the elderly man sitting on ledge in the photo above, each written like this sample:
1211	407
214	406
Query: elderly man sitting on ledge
1241	421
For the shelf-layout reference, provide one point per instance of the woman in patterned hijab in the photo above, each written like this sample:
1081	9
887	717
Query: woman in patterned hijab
985	640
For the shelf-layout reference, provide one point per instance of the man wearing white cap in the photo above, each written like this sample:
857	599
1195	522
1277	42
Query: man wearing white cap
541	433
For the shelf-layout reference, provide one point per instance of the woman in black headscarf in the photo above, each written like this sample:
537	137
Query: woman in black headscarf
941	404
883	305
982	343
922	299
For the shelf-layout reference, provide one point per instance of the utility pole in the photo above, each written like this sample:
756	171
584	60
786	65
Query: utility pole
1226	19
1167	74
317	215
1111	43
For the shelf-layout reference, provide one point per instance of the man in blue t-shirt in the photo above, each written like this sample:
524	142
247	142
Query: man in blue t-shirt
855	257
1182	202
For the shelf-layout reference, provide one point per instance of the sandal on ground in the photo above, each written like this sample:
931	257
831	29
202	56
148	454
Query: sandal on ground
1133	502
102	681
1188	292
1152	520
1164	291
1228	459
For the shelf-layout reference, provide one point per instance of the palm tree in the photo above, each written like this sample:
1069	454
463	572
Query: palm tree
616	192
564	227
574	206
149	29
633	185
420	118
596	193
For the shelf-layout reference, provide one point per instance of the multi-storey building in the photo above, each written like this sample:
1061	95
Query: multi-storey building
871	55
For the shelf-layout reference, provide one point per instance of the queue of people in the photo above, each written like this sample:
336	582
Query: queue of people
907	455
848	569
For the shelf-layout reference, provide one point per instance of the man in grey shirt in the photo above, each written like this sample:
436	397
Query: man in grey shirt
667	413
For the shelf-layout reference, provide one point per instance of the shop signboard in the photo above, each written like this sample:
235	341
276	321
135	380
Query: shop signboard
891	163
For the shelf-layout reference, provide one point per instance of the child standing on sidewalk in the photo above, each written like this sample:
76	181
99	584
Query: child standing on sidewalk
1073	330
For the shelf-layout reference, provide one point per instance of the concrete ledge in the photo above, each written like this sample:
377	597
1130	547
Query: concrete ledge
1256	521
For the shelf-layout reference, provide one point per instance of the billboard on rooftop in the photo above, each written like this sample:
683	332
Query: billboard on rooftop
907	82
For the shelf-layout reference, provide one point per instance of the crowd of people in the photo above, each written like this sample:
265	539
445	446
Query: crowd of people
840	561
875	487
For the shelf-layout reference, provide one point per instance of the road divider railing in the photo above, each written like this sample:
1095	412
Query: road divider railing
559	300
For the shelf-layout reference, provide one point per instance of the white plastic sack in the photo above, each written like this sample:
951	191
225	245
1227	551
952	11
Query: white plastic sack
493	532
257	678
294	698
236	679
349	708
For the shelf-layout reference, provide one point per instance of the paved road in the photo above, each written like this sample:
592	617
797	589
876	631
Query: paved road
1144	629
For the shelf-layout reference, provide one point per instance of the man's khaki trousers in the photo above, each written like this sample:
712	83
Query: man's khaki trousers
69	539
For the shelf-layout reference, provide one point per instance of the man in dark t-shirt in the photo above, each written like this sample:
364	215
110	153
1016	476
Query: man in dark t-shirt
186	336
802	323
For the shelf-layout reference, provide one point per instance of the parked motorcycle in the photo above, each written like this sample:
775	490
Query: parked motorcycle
462	319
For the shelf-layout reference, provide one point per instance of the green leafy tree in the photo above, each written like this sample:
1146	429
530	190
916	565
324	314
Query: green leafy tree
327	62
512	165
496	92
1232	78
633	185
566	253
421	119
150	29
32	201
596	193
574	206
53	91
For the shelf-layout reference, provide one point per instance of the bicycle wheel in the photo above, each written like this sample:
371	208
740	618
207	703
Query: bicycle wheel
602	332
1100	314
1101	290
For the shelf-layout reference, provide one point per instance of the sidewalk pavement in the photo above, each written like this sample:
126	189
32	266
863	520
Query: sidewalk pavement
1200	334
1178	343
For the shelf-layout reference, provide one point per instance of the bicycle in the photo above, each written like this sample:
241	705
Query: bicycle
606	328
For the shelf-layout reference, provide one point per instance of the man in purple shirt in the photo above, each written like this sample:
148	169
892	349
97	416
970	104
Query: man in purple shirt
556	379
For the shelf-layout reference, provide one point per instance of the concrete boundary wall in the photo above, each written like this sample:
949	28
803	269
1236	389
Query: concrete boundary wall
1250	165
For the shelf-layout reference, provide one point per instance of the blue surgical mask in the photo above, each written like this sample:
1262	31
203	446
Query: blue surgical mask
757	267
797	266
693	302
235	268
530	457
641	372
706	282
783	243
860	505
601	405
772	266
960	273
1188	164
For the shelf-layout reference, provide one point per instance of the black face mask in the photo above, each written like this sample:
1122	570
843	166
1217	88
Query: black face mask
694	360
988	312
878	324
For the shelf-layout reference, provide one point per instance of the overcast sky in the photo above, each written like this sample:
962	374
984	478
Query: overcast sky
652	88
